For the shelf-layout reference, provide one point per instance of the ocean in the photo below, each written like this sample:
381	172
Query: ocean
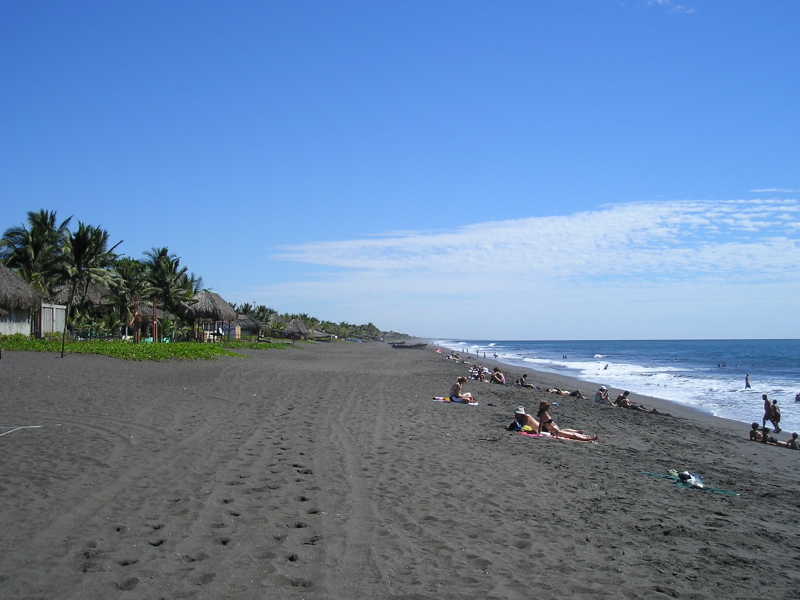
708	375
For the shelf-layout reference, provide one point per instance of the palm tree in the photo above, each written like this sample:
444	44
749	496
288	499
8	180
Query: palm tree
86	258
129	285
35	251
167	278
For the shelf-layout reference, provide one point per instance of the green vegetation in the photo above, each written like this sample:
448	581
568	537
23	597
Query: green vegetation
102	289
128	350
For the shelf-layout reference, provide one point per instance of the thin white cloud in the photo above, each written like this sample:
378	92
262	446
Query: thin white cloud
657	241
775	191
615	271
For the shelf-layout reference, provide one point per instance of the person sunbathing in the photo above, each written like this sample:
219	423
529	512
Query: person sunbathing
625	402
456	395
521	419
755	434
546	422
793	443
558	391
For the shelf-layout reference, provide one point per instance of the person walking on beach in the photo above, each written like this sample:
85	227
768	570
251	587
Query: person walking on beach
767	410
775	418
747	381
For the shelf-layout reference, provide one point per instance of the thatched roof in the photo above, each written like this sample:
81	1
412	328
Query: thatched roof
97	294
247	322
321	334
210	306
16	293
146	310
297	326
274	318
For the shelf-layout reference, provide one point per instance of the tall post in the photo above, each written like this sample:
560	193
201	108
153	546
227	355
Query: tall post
155	319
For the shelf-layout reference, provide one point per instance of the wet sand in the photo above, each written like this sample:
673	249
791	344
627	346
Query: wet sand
327	471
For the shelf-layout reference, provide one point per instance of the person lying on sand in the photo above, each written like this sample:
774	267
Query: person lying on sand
558	391
577	394
766	438
755	434
455	392
625	402
546	422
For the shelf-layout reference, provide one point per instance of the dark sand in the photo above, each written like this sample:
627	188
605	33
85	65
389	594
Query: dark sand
326	471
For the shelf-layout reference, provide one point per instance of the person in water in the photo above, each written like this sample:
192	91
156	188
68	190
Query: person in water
546	422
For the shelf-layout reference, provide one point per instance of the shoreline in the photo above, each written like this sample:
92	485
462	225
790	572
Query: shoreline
326	471
571	383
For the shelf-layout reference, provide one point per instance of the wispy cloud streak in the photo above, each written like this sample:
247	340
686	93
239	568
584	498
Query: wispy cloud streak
737	240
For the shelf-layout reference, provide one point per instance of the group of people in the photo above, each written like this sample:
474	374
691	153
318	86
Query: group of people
545	424
602	397
763	436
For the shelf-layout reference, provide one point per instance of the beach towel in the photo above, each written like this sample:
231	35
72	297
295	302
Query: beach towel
444	399
674	476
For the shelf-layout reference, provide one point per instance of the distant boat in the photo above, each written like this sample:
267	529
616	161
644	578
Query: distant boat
404	345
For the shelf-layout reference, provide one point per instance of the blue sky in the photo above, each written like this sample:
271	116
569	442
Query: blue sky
598	169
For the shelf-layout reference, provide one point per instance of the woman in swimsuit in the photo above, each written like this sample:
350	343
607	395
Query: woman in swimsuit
546	422
455	392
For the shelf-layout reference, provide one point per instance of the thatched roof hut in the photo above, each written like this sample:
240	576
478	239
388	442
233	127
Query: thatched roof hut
96	294
209	306
275	319
16	293
296	327
247	323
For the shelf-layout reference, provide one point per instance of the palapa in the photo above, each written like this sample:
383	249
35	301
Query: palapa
209	306
297	327
15	293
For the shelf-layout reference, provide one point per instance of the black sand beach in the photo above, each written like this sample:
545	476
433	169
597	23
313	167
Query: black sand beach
327	471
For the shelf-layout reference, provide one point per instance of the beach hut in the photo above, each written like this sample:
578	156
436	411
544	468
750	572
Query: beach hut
95	294
18	303
243	325
296	329
210	313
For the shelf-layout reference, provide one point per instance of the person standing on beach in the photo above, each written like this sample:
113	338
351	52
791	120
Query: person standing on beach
747	381
767	410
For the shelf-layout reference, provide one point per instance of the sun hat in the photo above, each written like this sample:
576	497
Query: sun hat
520	410
602	387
